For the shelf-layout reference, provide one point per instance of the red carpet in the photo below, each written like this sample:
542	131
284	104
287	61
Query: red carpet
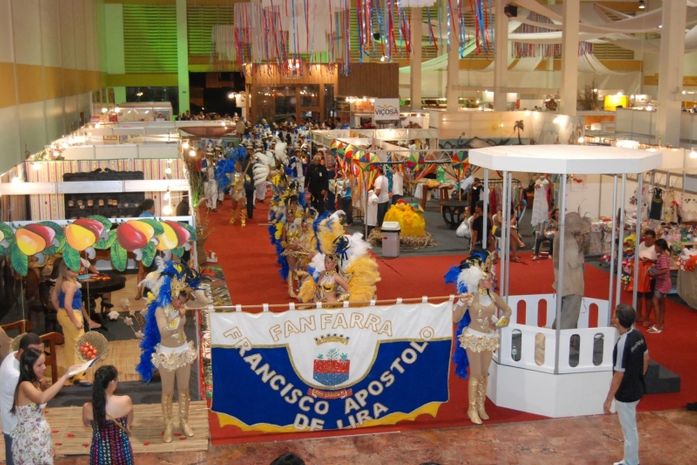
249	262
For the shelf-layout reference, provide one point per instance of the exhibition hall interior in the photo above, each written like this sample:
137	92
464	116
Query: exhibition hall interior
401	232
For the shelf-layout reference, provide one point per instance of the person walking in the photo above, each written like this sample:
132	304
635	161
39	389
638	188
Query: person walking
630	361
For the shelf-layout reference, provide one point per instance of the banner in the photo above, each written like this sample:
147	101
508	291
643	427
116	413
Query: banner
330	368
386	109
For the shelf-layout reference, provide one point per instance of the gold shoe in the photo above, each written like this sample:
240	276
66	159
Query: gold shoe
167	416
481	398
472	401
232	220
184	401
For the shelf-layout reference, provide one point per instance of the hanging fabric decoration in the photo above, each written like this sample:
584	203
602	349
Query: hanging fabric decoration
431	33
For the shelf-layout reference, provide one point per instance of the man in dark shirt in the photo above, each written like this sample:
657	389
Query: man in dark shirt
478	231
630	360
317	182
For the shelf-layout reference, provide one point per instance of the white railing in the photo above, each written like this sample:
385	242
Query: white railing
532	343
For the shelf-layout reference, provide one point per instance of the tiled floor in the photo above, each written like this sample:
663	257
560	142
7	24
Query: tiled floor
667	438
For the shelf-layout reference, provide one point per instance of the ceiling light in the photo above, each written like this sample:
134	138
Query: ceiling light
642	5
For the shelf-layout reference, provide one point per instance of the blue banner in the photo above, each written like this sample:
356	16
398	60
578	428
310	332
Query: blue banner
330	369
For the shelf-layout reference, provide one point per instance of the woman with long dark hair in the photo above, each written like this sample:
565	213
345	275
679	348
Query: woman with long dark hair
110	417
31	438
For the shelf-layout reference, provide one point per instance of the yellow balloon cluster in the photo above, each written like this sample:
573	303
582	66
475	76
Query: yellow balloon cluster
411	221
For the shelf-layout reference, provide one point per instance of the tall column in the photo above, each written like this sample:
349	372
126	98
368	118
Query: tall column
182	57
670	64
569	58
453	66
501	56
415	59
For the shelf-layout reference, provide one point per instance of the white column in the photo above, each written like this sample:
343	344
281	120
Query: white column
568	89
182	57
501	56
453	67
415	59
670	65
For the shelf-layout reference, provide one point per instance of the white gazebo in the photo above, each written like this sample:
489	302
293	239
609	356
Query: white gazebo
533	370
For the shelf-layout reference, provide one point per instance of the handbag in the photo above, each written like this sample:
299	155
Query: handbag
463	230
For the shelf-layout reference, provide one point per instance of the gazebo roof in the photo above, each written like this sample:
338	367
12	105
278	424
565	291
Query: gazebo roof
565	159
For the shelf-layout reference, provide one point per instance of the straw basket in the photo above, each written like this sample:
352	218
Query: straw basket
14	344
98	341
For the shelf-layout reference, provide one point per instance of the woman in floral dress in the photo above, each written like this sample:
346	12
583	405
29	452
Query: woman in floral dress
31	438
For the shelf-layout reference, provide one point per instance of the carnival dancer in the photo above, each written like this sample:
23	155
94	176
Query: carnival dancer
477	312
238	196
350	266
164	345
210	186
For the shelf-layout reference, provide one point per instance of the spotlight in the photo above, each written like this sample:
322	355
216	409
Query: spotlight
642	4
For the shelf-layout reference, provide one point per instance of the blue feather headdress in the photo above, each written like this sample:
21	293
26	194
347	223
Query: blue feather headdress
173	279
466	277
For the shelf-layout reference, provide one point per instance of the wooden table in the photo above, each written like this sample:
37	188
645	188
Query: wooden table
452	211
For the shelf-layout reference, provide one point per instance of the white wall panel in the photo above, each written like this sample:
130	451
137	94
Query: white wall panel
9	138
55	119
27	29
67	21
32	127
91	35
6	52
80	35
50	34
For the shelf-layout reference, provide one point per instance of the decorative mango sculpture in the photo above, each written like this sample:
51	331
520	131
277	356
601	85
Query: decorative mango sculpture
95	226
130	238
79	237
147	230
183	234
29	242
48	234
168	240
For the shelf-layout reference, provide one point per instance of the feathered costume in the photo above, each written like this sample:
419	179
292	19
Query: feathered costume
163	285
164	345
356	264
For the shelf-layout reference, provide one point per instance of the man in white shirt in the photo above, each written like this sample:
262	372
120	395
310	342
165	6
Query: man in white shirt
9	375
382	190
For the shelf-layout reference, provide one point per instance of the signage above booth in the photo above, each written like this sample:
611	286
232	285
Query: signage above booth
386	109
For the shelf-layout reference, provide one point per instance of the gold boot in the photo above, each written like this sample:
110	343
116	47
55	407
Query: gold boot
167	416
473	401
481	398
184	401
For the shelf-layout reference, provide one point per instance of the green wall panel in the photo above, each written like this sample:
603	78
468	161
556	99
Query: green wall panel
150	38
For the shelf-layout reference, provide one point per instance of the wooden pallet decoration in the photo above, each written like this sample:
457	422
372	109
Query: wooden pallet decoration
70	437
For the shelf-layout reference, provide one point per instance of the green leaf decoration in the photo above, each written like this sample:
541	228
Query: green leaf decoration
119	256
149	252
191	230
156	225
20	262
71	257
8	232
106	242
48	251
178	252
102	219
